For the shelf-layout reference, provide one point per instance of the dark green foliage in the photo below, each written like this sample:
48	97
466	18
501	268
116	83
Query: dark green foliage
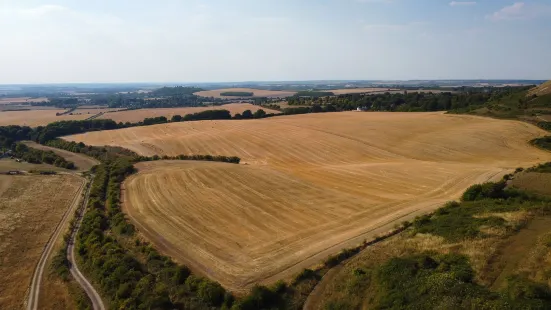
483	191
208	115
176	118
428	281
306	274
543	143
464	101
237	94
106	153
247	114
211	292
259	113
260	298
64	128
338	258
60	264
155	120
219	158
545	125
36	156
456	221
445	281
519	287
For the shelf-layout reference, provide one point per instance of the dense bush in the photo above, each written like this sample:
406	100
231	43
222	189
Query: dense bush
483	191
208	115
456	221
544	142
432	281
35	156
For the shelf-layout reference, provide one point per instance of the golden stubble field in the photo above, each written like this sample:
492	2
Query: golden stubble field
31	207
33	118
308	186
139	115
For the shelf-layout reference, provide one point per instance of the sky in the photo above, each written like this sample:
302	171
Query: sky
75	41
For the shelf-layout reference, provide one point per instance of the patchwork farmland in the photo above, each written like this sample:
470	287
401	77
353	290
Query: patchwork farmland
308	185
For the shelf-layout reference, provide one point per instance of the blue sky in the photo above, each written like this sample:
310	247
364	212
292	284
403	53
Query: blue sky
246	40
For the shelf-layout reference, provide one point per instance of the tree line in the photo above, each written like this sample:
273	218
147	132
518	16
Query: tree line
406	101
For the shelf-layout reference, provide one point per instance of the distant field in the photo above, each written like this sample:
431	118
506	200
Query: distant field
83	162
35	118
21	100
309	185
256	93
30	209
360	90
139	115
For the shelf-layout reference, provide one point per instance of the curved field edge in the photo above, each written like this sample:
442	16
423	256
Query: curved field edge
450	152
495	257
252	225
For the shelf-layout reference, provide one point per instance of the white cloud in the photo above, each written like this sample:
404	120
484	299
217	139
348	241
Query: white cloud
520	10
462	3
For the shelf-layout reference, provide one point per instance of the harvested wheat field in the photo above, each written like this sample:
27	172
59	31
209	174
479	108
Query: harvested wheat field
310	184
30	209
134	116
35	118
256	93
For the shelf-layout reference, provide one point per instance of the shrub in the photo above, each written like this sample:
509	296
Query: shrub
485	190
211	292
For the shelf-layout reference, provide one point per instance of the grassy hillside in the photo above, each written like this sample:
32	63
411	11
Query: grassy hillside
489	251
515	104
543	89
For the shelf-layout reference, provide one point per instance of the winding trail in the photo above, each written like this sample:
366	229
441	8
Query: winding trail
34	290
95	298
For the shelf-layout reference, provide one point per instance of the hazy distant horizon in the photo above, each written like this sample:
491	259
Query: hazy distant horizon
194	41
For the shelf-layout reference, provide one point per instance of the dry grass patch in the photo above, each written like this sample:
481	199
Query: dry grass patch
541	90
30	209
312	184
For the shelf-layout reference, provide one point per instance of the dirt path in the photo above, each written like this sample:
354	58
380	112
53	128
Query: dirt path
516	249
95	298
34	289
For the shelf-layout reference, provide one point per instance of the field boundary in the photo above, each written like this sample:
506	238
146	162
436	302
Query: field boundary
32	297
